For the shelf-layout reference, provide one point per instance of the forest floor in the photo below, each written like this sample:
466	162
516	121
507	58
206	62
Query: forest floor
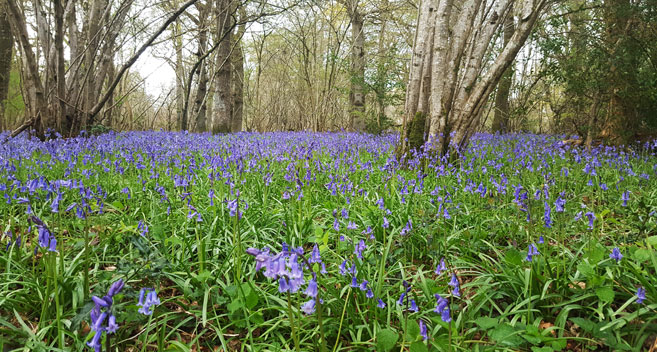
289	241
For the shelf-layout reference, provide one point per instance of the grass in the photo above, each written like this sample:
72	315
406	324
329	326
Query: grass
176	212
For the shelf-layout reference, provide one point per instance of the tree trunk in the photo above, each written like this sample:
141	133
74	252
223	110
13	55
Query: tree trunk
222	98
6	50
200	102
423	33
237	61
357	94
501	114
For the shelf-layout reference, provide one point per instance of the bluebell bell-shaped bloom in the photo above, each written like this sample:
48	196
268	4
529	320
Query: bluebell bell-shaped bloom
423	330
308	307
363	285
454	283
369	293
359	248
592	218
147	301
547	219
531	252
283	285
343	268
625	197
386	224
381	304
112	326
352	226
95	341
441	266
541	240
311	290
559	205
401	299
640	295
616	254
314	255
354	282
413	306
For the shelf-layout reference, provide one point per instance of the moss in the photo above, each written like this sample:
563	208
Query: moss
416	131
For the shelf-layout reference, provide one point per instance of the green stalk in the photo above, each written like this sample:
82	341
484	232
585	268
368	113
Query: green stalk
292	327
344	309
60	333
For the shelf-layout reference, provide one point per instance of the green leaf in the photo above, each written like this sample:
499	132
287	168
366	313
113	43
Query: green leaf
513	257
412	330
419	346
486	322
386	340
585	324
641	254
585	268
606	294
652	241
234	306
506	334
542	349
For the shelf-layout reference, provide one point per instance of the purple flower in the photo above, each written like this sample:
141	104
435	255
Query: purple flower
546	216
283	286
441	266
147	305
359	248
343	268
454	283
592	218
423	330
111	325
413	306
442	308
531	251
381	304
315	256
363	285
308	307
625	197
616	255
541	240
352	226
311	290
369	293
640	295
386	224
560	204
401	299
354	282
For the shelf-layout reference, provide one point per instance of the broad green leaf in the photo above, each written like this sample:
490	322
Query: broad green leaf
386	340
486	322
606	294
418	346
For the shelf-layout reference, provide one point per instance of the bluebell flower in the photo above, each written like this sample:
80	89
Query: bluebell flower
441	266
546	216
423	330
381	304
308	307
541	240
369	293
454	283
401	299
592	218
442	308
283	285
363	285
315	257
413	306
311	290
616	254
531	251
359	248
640	295
354	282
386	224
559	205
147	304
625	197
111	325
343	268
